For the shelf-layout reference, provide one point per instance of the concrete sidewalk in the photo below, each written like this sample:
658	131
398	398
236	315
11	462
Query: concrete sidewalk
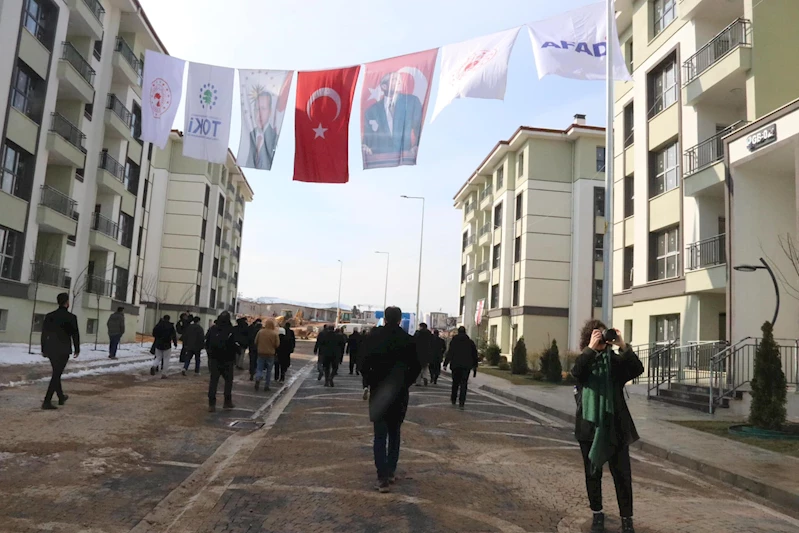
770	475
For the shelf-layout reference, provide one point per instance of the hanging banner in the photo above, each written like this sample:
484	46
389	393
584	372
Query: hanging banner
321	129
163	89
475	69
209	103
393	106
478	314
575	45
264	95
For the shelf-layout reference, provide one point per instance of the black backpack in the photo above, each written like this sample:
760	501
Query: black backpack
218	340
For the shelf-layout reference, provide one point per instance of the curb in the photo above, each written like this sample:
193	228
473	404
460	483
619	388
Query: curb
775	495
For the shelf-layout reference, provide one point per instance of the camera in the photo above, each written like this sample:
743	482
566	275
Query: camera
609	335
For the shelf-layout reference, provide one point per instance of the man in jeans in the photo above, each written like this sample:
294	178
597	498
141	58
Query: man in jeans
462	356
59	335
391	367
116	328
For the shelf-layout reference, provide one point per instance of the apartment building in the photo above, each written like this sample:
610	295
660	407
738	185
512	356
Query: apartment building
192	262
703	72
73	187
532	239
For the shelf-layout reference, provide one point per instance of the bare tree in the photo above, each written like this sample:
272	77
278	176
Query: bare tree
152	290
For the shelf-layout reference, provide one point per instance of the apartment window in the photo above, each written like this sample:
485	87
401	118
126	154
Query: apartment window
465	239
15	176
629	257
27	92
665	254
71	239
3	319
200	262
212	303
599	201
663	86
141	236
521	163
664	13
493	335
132	171
665	169
221	209
628	331
40	18
519	204
495	257
203	230
79	173
218	238
629	196
120	284
463	302
500	177
91	326
463	273
498	215
215	269
11	243
516	293
667	328
98	50
628	55
88	111
600	159
144	193
197	296
135	122
629	124
494	296
517	250
599	247
598	287
125	230
38	322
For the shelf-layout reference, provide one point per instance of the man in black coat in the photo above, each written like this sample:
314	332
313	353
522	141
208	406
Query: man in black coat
391	367
328	346
242	333
425	348
193	341
439	348
59	336
222	348
252	331
353	345
288	342
165	336
462	357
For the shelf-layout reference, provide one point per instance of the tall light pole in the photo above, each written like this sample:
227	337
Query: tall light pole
338	302
385	294
421	244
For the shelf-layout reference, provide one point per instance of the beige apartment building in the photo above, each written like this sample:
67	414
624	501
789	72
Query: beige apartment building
706	74
532	240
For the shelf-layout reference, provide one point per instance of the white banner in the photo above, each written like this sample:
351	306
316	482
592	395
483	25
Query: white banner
264	95
475	69
575	45
209	103
163	89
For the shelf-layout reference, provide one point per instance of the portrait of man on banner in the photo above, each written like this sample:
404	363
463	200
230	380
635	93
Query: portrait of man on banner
393	107
264	95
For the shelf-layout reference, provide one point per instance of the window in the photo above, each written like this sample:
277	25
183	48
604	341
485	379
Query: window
598	287
494	296
221	209
203	230
98	50
516	293
462	310
135	123
599	247
91	326
667	328
498	215
144	193
628	55
131	180
15	176
664	13
628	331
629	196
599	201
517	250
3	319
79	173
138	245
629	257
38	322
600	159
27	92
493	335
197	296
207	195
500	177
212	302
120	284
218	238
495	257
40	18
88	111
463	273
519	204
465	239
200	262
11	243
215	270
665	168
629	125
521	163
125	230
665	254
663	86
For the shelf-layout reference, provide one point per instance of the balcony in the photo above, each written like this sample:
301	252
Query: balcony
469	208
486	195
110	175
106	226
225	245
228	217
47	281
705	265
127	67
468	244
703	164
75	75
56	212
117	119
484	234
482	272
231	189
65	143
222	274
86	18
720	66
104	236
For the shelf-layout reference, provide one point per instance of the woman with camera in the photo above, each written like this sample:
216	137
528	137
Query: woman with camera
604	427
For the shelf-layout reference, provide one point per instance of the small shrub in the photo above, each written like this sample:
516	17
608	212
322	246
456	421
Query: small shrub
568	359
493	354
519	362
769	393
503	365
550	364
537	375
482	346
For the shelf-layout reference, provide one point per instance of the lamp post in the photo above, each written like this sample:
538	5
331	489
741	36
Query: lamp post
764	266
421	243
338	302
385	294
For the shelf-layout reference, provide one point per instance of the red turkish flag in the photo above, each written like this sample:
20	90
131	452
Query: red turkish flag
322	120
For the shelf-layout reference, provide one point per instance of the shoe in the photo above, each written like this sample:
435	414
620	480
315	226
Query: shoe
239	368
462	407
331	383
229	405
350	373
152	370
598	525
453	403
63	400
282	380
212	408
197	372
164	376
357	373
384	487
627	525
183	372
392	479
425	382
252	377
257	385
48	406
267	388
366	393
327	383
319	378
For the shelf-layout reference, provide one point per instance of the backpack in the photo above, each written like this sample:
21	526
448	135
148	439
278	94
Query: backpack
218	340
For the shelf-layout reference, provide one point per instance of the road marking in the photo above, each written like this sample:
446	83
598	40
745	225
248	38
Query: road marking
178	463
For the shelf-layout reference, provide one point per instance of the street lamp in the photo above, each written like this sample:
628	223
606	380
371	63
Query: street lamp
764	266
385	295
421	243
338	302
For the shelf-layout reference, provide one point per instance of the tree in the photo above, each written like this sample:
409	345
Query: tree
550	364
519	362
769	393
493	354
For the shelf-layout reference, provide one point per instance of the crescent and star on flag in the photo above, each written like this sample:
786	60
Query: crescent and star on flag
319	131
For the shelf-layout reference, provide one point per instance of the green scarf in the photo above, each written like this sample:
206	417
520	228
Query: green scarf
599	409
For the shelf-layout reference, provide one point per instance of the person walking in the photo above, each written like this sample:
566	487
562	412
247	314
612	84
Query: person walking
220	344
165	336
439	348
59	336
328	345
353	345
319	364
425	347
116	328
604	427
288	342
341	347
193	341
252	331
391	367
462	358
266	342
241	331
183	320
362	351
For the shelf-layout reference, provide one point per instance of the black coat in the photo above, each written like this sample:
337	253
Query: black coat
60	333
287	343
354	344
165	335
462	353
220	343
252	331
425	346
624	367
327	344
193	337
440	347
391	366
242	332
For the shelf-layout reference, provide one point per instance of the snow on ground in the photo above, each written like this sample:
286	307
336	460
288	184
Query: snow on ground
132	367
17	354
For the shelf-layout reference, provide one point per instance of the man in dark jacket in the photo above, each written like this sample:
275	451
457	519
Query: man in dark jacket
252	331
288	342
193	341
341	337
165	336
353	345
242	333
462	357
116	328
425	348
329	347
220	343
184	320
391	367
316	350
605	434
59	336
439	347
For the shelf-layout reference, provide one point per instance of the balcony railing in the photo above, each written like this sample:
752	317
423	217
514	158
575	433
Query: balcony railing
96	9
126	52
57	201
707	152
231	188
98	286
71	55
240	200
468	241
469	208
68	131
119	109
735	35
485	193
48	274
485	229
112	166
225	245
228	217
483	267
105	226
706	253
222	274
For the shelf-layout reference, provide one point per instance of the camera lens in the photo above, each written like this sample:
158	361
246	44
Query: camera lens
610	335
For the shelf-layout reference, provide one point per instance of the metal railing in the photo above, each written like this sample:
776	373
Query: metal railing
222	274
96	9
469	208
225	245
228	217
468	241
126	52
707	152
485	193
240	200
119	109
68	131
112	166
57	201
71	55
706	253
485	229
98	286
231	188
483	267
48	274
735	35
105	226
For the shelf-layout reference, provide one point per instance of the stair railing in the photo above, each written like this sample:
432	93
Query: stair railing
729	371
659	365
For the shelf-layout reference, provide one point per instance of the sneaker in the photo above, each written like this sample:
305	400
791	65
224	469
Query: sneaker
152	370
197	372
252	377
164	376
183	372
598	525
229	405
48	406
366	393
384	487
627	525
63	400
212	408
392	479
257	385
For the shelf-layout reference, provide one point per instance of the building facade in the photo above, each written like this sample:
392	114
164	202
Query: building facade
702	70
532	239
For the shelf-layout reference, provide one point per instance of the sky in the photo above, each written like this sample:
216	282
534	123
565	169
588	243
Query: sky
295	233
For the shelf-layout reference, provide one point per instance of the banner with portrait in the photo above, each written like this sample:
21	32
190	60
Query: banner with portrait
264	96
